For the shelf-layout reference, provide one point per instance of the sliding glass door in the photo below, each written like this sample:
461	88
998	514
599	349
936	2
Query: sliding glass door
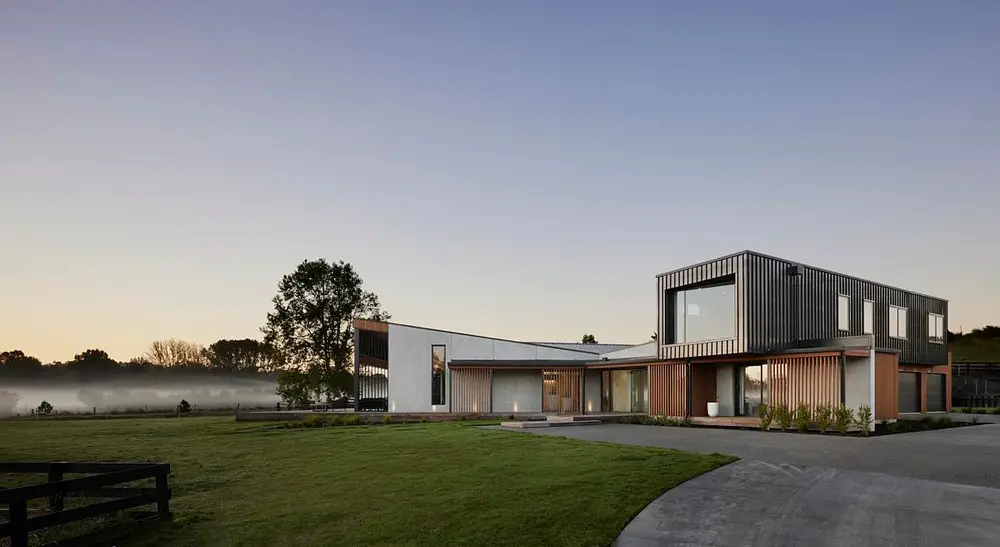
752	389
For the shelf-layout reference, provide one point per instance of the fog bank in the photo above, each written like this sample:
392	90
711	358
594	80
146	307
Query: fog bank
108	396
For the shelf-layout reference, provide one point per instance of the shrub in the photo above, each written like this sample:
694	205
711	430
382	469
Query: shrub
944	422
314	421
353	419
183	407
783	417
994	410
687	421
843	418
766	415
803	417
864	419
45	408
386	420
823	415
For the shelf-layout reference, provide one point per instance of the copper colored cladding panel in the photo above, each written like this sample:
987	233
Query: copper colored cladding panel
471	390
703	389
886	386
668	389
810	380
376	326
561	390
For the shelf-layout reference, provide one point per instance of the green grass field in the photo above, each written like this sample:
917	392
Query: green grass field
420	484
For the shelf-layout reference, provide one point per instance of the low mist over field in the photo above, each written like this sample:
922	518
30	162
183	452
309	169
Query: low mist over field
121	396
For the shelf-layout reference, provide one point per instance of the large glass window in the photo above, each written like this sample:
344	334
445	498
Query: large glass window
935	328
437	374
897	322
843	312
706	313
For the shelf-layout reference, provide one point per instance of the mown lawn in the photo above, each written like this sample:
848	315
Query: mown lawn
420	484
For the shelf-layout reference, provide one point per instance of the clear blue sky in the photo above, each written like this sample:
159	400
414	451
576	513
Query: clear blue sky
517	169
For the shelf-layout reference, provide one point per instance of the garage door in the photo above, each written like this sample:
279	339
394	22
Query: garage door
909	392
935	392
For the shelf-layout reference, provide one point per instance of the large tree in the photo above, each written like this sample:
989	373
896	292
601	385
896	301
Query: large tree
15	364
175	353
91	363
311	327
247	355
589	339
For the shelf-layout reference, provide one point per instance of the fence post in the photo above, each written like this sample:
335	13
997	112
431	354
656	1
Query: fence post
19	523
55	475
162	492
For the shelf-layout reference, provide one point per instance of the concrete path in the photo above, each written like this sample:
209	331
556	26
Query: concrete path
966	455
927	488
752	503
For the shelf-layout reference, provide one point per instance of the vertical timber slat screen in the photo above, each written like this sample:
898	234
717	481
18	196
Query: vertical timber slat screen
373	369
561	390
810	380
668	389
471	390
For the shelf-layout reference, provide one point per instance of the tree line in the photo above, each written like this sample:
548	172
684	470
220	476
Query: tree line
164	358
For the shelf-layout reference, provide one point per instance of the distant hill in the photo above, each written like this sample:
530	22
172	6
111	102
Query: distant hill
978	346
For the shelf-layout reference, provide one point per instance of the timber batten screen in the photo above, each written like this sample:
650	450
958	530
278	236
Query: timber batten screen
472	390
371	368
810	380
561	390
668	389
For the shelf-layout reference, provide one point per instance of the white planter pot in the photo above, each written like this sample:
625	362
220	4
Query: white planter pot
713	409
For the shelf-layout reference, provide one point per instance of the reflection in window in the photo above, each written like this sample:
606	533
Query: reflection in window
706	313
935	328
869	317
437	375
897	322
843	312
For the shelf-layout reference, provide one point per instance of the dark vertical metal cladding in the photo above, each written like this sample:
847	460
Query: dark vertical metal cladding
776	310
771	304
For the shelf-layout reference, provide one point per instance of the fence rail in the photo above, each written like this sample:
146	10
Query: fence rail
100	483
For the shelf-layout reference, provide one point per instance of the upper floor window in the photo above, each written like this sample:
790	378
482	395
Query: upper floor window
868	320
843	312
437	374
897	322
705	313
935	328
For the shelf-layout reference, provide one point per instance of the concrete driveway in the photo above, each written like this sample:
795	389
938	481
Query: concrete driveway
928	488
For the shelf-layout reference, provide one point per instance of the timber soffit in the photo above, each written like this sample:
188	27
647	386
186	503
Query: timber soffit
824	270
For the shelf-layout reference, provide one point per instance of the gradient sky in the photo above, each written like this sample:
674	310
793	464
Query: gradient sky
519	169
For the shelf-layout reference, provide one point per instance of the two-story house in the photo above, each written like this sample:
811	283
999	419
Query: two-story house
736	331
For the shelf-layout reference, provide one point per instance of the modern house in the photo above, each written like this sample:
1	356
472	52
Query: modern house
738	331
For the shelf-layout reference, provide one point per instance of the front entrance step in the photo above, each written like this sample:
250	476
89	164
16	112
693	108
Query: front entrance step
549	423
567	418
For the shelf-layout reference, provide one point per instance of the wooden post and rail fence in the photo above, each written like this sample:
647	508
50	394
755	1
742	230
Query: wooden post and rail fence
103	480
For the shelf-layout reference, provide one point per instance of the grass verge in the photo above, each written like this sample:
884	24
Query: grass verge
419	484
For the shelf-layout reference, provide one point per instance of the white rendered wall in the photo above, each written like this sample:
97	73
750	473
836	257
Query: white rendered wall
517	391
857	382
725	391
642	350
592	391
410	363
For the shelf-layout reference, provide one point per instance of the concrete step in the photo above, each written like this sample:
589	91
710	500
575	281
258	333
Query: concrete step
549	423
568	418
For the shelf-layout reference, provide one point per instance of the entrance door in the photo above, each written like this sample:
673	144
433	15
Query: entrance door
640	390
752	388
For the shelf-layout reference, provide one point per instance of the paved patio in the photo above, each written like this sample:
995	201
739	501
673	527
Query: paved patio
927	488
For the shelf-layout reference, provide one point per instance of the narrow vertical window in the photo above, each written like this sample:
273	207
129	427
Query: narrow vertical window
935	328
869	317
843	312
897	322
437	374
